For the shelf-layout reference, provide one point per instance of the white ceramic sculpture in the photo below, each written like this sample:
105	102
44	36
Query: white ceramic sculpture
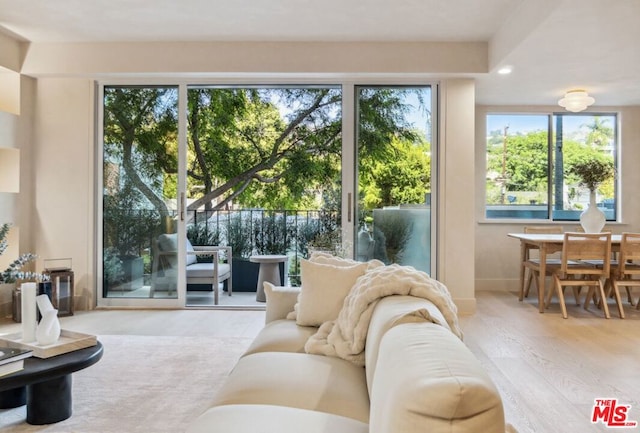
48	330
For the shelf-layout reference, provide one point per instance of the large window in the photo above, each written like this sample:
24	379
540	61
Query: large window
530	161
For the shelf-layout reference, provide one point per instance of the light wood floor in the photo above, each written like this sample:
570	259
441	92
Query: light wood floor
548	370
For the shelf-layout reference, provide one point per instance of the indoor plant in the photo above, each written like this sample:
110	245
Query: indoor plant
591	173
14	272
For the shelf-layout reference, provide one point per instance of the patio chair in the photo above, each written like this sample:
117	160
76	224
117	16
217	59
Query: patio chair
165	261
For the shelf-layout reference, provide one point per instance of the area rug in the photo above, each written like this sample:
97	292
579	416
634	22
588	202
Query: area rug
142	384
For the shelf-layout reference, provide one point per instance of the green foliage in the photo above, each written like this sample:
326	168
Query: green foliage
525	160
140	138
403	179
521	162
127	227
392	229
592	172
112	267
266	147
238	235
14	271
202	233
322	233
273	234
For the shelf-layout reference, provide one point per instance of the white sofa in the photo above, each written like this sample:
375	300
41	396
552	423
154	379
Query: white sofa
418	377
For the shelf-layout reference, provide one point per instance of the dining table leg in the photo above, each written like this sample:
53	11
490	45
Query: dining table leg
523	257
542	277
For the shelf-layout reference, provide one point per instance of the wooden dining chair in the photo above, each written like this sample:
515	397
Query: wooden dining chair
625	270
574	270
531	264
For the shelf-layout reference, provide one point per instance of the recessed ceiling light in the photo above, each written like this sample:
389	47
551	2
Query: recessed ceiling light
505	70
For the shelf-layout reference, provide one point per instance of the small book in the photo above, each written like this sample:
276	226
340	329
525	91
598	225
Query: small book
11	367
9	355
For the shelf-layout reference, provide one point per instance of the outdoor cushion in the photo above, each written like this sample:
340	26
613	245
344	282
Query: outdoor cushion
205	270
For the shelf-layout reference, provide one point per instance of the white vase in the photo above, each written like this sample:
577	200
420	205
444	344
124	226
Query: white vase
48	330
592	219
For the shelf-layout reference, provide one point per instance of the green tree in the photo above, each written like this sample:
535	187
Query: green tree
403	179
599	133
276	147
140	136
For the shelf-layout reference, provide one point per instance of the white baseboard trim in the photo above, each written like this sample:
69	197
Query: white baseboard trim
466	306
506	285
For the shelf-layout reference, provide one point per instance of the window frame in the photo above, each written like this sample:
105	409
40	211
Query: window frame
551	166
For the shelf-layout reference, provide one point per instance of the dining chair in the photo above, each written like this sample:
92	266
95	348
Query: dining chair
531	264
625	270
574	270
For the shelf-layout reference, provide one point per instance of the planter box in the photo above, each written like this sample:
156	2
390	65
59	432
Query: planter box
245	275
133	272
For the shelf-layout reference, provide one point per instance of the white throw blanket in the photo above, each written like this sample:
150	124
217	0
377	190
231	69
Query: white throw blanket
345	337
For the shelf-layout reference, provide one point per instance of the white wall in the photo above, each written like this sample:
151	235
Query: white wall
16	131
456	198
496	255
63	213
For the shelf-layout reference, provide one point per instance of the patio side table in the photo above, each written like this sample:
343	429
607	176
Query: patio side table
269	271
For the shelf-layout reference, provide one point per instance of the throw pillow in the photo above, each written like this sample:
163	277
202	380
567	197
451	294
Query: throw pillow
324	288
328	259
169	242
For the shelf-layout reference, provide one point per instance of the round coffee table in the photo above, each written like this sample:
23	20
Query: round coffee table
269	271
44	385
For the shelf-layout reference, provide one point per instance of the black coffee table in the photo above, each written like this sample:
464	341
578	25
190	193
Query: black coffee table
44	385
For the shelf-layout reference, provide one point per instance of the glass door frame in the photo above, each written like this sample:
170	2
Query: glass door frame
180	300
350	160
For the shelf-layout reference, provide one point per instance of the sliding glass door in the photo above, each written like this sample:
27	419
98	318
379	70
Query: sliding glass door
265	170
139	190
394	137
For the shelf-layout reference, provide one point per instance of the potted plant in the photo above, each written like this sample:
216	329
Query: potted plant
237	233
591	173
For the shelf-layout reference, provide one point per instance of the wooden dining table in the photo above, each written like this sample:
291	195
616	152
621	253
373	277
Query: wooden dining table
545	244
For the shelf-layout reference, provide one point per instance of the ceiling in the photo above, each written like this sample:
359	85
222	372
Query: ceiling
552	45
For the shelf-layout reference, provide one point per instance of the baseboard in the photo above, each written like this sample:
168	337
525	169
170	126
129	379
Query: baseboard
466	306
504	285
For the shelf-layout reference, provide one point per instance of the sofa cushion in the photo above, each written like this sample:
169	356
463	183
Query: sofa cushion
426	376
313	382
281	336
254	418
324	288
388	313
